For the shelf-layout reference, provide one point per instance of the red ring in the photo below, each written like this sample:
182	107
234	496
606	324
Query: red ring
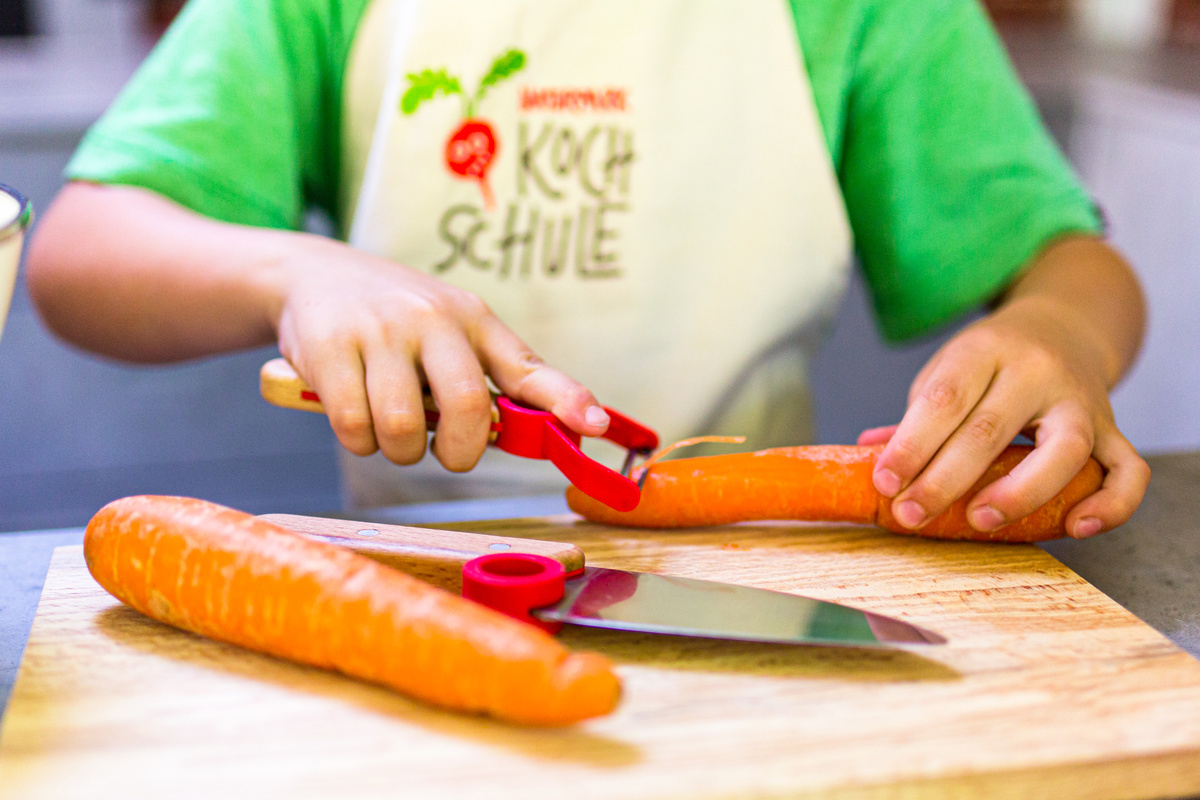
515	583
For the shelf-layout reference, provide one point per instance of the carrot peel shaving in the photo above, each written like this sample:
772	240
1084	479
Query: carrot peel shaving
663	452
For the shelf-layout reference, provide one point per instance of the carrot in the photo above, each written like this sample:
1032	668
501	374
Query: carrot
830	483
227	575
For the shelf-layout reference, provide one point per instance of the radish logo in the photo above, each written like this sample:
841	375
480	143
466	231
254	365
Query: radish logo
471	149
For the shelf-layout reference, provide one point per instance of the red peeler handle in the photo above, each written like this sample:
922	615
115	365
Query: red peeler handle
533	433
515	584
516	429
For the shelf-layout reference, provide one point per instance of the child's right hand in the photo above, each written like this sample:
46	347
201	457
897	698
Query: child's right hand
128	273
367	334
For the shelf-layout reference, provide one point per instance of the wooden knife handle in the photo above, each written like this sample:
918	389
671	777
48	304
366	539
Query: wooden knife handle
435	556
280	385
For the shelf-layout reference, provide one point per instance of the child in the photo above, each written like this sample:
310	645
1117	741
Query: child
661	198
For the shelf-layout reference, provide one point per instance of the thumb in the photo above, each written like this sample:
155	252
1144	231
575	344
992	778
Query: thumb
519	373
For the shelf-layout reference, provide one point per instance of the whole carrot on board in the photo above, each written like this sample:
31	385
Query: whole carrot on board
227	575
829	483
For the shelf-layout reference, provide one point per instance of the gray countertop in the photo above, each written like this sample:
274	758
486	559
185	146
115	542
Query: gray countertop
1151	565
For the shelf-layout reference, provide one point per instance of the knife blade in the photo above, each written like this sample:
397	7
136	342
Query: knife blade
600	597
650	603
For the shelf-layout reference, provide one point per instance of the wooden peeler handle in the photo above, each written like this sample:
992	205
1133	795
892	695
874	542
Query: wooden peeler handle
280	385
435	556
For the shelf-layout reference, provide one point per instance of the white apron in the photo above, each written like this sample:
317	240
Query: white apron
640	189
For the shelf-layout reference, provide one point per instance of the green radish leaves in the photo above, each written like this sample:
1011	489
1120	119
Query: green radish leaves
502	67
427	84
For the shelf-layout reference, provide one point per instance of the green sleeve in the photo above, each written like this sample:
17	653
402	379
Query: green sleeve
951	182
235	113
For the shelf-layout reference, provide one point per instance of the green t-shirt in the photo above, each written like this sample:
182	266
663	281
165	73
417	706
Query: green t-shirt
950	180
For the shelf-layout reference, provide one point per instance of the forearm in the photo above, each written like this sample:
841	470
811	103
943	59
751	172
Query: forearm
1088	290
127	273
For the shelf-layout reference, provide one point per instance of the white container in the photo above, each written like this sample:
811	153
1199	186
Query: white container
1122	23
15	215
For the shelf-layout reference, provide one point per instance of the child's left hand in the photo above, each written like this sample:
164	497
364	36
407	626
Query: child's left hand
1041	365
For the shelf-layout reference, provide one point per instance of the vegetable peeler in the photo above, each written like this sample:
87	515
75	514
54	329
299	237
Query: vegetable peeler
517	429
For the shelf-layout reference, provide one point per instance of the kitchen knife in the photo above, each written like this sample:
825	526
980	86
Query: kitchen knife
547	584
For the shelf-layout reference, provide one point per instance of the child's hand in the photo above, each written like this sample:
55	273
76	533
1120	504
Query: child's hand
1041	365
125	272
367	334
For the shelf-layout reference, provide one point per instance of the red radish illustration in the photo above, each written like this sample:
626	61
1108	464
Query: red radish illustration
471	149
470	152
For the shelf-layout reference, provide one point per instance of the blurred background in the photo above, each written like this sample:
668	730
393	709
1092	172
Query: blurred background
1117	81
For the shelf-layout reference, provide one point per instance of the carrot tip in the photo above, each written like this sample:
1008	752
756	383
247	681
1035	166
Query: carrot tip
591	687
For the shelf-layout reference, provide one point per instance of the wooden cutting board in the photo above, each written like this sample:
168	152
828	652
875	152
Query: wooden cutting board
1047	689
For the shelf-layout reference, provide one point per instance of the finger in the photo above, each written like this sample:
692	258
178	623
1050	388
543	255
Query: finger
971	448
461	393
394	393
873	436
524	377
1064	442
938	407
1125	481
336	373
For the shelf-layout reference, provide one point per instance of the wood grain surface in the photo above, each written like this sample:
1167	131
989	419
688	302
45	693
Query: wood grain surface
1046	689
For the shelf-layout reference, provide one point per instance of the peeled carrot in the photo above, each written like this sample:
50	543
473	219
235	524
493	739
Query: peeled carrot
227	575
830	483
